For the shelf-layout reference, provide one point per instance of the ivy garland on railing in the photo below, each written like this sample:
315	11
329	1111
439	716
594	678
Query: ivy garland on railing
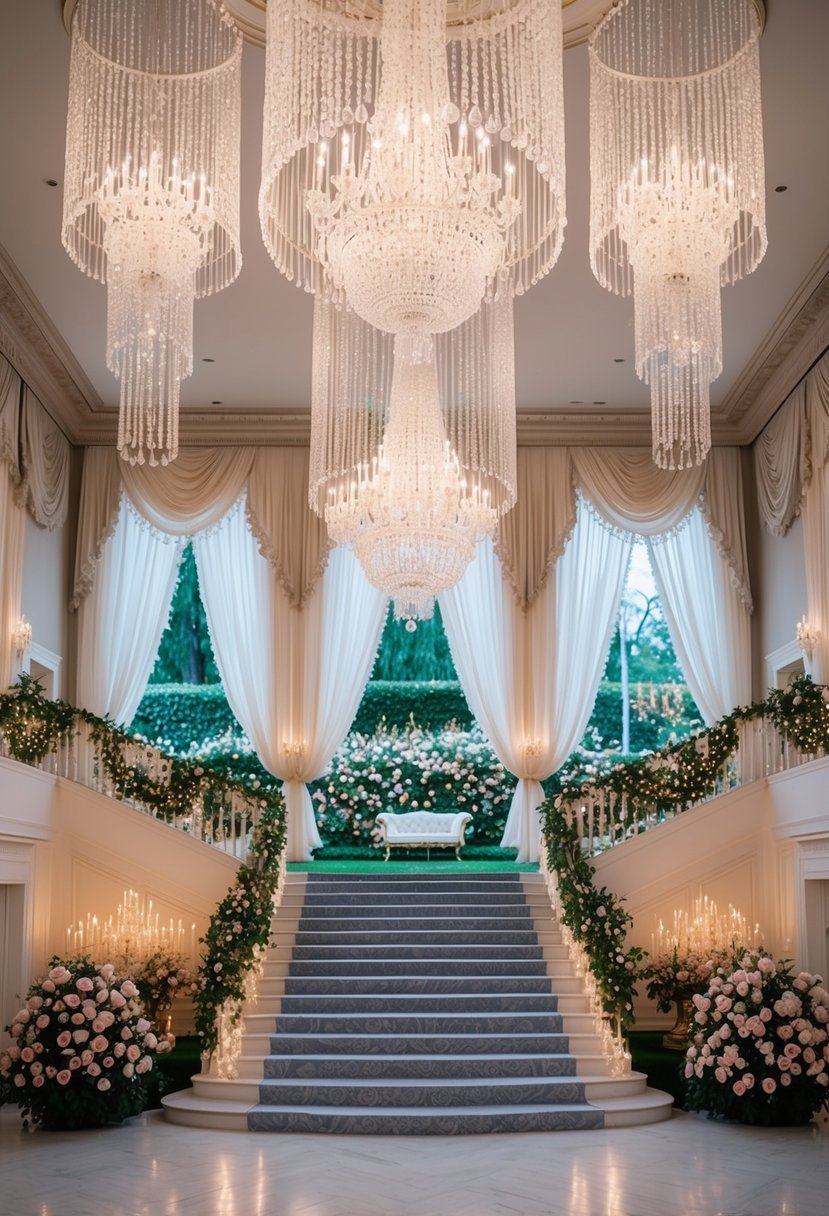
240	928
668	780
687	772
34	726
596	918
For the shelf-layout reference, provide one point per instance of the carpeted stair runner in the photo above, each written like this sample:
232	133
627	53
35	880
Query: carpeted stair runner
419	1005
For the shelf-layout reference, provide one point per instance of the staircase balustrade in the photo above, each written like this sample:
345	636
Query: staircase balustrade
604	816
73	745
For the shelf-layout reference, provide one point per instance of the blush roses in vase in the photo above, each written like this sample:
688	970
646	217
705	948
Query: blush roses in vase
81	1050
760	1049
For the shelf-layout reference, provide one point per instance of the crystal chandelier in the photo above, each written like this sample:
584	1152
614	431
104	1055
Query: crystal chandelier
413	446
151	201
677	191
413	178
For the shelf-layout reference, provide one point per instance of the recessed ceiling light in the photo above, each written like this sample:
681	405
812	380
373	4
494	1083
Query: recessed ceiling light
780	189
50	181
207	359
618	360
215	402
600	403
577	403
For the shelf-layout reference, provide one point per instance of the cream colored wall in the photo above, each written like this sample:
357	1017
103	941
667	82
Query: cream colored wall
76	852
751	849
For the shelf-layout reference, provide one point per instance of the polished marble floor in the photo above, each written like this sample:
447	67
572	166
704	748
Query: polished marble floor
685	1167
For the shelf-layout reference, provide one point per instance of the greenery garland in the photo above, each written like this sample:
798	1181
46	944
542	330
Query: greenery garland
33	726
672	779
240	927
595	916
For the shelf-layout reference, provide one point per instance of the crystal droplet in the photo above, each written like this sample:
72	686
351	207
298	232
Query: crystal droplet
491	125
475	117
361	114
411	625
348	116
450	112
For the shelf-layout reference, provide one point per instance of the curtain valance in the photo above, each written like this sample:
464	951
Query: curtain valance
34	449
195	493
629	493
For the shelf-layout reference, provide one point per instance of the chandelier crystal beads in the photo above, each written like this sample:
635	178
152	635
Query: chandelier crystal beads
408	121
413	446
151	200
413	178
677	191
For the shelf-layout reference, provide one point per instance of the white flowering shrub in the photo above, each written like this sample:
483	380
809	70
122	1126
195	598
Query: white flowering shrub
412	769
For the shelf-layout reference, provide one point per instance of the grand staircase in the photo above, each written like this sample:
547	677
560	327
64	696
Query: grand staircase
418	1005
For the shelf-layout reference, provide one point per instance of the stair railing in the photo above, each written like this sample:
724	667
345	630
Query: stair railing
77	746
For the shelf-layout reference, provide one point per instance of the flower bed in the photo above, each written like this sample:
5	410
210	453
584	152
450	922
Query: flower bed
81	1050
760	1049
412	769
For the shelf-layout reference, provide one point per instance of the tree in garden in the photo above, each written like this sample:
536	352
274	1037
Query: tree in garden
185	655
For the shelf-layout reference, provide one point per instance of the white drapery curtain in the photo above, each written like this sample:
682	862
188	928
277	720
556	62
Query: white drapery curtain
531	676
122	619
530	628
294	678
294	637
707	619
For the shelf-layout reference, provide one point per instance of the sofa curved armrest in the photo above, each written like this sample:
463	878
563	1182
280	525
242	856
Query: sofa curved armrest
461	822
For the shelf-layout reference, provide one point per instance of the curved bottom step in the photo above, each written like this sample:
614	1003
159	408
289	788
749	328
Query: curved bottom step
415	1121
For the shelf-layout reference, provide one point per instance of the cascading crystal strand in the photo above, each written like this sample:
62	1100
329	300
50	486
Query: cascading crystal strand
677	191
151	200
419	129
413	446
419	520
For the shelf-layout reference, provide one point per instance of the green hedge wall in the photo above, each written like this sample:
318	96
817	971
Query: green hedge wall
431	705
182	714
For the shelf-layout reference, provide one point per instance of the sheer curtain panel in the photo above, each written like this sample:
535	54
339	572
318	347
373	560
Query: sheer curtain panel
531	676
122	618
294	678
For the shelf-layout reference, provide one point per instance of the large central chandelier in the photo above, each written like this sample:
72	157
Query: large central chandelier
413	178
151	200
677	191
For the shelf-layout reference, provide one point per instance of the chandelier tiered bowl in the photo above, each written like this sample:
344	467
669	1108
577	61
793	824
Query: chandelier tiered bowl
151	198
677	191
413	178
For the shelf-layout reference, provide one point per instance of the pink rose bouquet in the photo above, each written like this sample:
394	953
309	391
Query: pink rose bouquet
160	979
81	1048
760	1044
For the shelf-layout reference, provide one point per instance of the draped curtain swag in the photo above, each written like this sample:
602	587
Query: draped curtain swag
630	493
34	450
790	460
197	491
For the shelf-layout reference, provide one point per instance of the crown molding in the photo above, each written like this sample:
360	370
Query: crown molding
797	339
35	348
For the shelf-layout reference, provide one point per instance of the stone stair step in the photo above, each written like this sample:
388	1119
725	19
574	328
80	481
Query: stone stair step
416	925
389	966
402	950
414	1023
414	1121
401	1091
436	1067
398	985
435	1003
385	1043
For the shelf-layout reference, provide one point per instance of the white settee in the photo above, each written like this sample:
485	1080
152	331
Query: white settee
423	829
